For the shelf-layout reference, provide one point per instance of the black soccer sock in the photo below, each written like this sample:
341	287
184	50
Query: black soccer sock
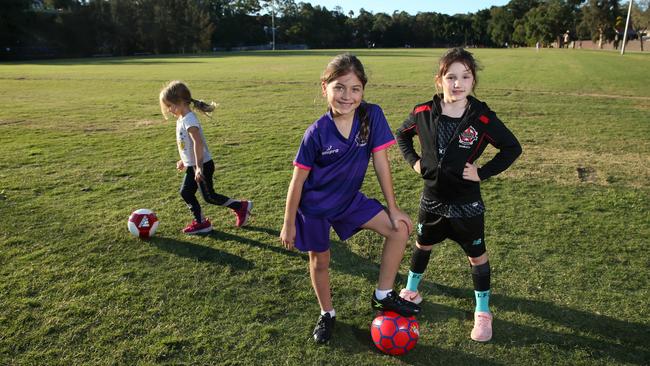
420	260
481	277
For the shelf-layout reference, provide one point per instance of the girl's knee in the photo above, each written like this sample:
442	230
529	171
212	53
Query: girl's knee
477	261
319	262
424	247
400	235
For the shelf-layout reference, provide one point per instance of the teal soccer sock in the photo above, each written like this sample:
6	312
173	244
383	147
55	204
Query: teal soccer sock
482	301
413	281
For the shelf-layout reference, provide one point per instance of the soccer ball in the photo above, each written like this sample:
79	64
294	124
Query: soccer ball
394	334
143	223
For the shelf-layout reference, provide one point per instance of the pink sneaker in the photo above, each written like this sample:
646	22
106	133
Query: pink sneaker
412	296
196	228
482	331
244	213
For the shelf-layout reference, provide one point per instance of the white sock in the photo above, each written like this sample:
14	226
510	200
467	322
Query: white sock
381	294
331	312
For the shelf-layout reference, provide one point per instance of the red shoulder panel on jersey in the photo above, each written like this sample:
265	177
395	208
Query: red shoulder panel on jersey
422	108
484	119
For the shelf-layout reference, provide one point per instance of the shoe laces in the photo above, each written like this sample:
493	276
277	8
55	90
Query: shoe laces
482	320
323	321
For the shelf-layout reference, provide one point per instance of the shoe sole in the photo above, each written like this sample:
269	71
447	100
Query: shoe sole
201	231
382	308
481	340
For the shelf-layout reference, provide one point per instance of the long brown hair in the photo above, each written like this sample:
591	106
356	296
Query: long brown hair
176	92
342	65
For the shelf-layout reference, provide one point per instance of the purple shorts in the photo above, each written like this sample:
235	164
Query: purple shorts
313	233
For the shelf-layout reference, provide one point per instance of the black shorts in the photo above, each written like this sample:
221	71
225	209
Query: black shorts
469	232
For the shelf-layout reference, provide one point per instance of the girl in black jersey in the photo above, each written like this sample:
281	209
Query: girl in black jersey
454	128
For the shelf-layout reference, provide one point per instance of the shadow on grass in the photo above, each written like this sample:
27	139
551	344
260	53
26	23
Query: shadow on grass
221	236
201	253
599	335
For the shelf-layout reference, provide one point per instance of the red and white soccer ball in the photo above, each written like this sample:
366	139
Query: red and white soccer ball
143	223
394	334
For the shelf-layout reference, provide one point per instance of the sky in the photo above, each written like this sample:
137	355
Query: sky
412	7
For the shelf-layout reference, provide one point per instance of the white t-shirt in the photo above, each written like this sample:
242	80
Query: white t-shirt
184	141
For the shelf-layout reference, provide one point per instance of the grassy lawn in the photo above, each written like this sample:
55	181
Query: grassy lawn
83	144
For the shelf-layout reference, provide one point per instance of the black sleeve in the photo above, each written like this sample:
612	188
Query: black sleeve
404	136
505	141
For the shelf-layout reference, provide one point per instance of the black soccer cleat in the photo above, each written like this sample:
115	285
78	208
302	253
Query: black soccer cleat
392	302
324	327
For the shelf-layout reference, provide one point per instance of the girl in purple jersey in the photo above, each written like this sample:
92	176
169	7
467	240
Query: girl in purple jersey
324	192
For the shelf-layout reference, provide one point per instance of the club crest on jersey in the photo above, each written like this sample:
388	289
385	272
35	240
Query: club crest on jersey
359	141
467	137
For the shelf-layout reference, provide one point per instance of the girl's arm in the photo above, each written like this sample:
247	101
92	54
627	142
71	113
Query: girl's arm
288	234
507	144
404	136
382	170
195	135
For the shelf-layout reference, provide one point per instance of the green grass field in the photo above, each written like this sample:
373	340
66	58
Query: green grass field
83	144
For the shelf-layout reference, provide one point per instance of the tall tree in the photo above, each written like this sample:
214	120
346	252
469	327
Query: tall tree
599	17
13	21
548	22
500	25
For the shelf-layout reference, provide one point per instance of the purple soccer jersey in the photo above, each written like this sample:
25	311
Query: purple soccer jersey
338	165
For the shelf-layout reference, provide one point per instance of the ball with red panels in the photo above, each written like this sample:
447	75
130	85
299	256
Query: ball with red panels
143	223
394	334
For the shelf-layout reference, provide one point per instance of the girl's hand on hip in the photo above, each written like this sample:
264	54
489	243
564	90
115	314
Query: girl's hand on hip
180	166
397	215
288	235
471	172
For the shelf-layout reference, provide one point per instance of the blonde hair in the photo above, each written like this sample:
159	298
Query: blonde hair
176	92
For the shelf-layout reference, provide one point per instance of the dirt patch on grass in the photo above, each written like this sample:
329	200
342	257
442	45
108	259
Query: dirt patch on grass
12	122
571	167
148	122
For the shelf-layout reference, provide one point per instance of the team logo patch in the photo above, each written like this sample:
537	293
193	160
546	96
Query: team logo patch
467	137
359	141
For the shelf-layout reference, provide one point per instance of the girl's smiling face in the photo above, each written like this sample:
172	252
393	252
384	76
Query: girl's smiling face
344	94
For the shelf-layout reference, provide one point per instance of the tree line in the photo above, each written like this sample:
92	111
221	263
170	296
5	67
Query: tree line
41	28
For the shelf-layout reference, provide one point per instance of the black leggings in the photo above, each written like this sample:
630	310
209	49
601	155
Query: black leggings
189	188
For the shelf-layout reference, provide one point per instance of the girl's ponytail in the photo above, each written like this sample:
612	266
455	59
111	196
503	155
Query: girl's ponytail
202	106
176	92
